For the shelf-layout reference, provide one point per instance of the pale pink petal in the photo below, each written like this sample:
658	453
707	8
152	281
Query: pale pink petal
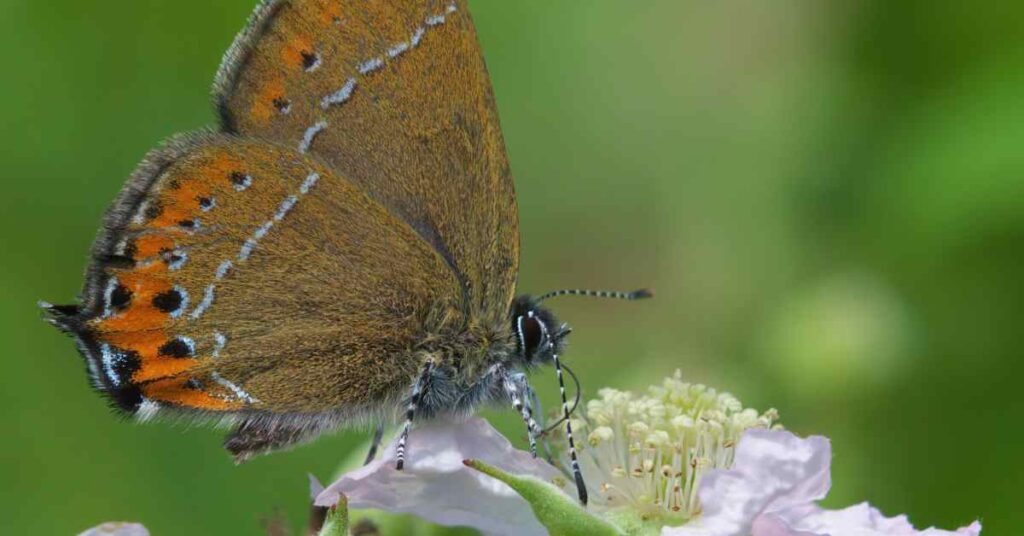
315	487
436	486
117	529
862	520
772	525
773	470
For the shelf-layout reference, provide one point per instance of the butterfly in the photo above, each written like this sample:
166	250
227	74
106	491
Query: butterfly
342	249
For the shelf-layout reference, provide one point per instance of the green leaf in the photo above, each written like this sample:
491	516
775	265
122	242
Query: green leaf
336	523
558	513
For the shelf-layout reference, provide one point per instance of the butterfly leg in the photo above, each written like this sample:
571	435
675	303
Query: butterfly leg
418	389
520	393
581	487
378	434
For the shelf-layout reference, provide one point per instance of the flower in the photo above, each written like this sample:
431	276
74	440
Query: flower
436	486
117	529
649	453
681	460
772	490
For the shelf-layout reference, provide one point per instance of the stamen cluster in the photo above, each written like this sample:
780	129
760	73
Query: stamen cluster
649	452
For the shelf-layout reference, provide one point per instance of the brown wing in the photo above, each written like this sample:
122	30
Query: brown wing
395	96
237	275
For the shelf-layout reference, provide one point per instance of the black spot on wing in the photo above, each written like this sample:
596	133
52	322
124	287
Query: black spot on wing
153	211
177	348
169	302
124	394
309	60
120	298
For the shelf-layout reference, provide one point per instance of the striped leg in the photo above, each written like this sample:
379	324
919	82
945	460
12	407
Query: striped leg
530	402
378	434
581	487
410	411
518	392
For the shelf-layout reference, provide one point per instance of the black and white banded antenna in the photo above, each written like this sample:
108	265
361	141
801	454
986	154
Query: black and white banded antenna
635	295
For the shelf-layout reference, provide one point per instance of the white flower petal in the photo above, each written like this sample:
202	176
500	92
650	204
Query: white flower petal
862	520
773	488
772	525
773	470
117	529
436	486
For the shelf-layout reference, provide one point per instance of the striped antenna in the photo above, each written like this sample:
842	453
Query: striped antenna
635	295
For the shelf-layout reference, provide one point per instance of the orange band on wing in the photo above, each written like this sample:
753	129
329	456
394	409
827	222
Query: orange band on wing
145	283
151	245
177	391
147	344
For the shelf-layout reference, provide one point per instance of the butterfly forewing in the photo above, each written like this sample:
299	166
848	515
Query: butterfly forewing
395	96
236	275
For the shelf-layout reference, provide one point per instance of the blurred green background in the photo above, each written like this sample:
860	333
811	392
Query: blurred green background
827	197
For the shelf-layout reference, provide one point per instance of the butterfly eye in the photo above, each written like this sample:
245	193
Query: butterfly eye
530	334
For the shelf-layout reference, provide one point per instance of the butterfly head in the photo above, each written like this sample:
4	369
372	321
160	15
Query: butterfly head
538	333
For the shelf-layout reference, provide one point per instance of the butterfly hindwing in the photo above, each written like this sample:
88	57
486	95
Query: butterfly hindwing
235	275
395	96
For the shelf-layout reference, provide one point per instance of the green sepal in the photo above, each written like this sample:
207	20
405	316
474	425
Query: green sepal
558	513
336	523
635	524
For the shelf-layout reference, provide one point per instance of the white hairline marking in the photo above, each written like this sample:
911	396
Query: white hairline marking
367	66
340	96
219	341
417	36
223	269
139	216
108	363
310	134
205	304
371	65
233	388
309	183
108	294
250	244
286	207
147	410
398	49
